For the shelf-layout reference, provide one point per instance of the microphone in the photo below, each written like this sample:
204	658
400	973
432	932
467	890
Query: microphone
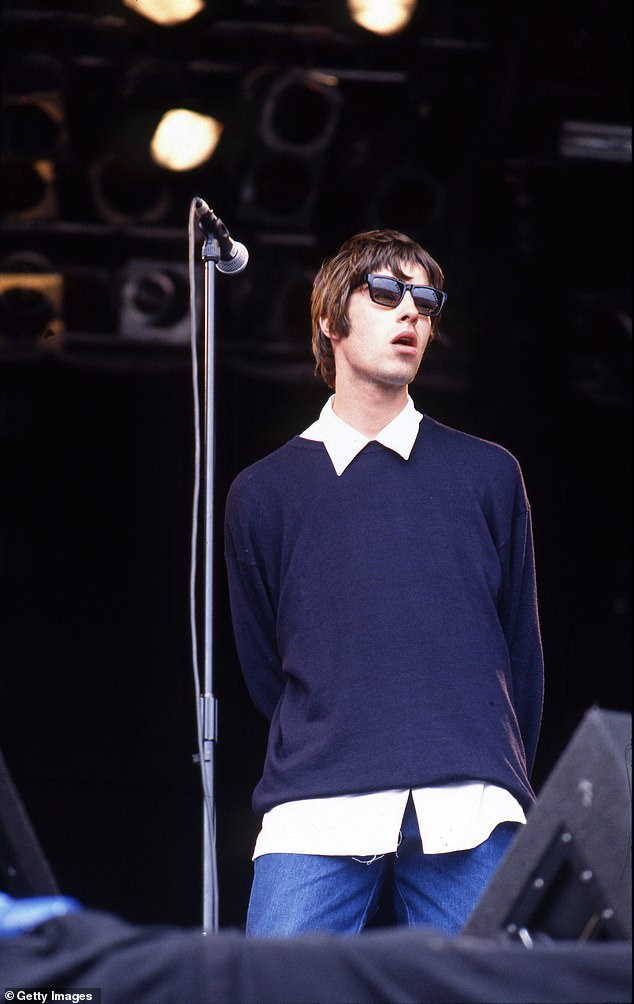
233	255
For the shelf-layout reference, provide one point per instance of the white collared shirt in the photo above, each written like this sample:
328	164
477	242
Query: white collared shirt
344	443
452	817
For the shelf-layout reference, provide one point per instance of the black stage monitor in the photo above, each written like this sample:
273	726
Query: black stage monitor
568	873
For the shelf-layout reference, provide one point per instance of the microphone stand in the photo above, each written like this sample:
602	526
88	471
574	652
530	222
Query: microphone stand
209	706
219	251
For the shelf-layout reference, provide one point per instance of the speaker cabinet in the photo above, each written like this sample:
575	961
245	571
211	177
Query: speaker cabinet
568	873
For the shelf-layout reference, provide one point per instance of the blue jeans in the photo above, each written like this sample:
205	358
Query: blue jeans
299	893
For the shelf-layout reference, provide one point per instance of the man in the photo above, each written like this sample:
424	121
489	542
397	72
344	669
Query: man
383	597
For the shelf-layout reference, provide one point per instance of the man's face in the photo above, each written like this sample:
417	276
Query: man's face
385	345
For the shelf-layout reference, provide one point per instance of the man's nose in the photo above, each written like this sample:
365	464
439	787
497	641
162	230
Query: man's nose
407	306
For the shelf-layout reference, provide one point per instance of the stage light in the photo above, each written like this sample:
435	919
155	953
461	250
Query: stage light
32	126
27	191
184	139
294	118
34	141
166	12
383	17
408	198
31	300
128	193
155	302
300	112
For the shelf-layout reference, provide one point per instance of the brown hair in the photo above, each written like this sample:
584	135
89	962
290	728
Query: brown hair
339	276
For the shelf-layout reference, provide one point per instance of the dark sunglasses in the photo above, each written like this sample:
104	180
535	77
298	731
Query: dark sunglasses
389	292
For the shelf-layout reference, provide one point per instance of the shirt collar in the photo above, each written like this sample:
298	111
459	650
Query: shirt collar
344	443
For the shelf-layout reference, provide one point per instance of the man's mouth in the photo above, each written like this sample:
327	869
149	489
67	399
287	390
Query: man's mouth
407	338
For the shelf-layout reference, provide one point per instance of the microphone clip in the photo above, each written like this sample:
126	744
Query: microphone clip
233	255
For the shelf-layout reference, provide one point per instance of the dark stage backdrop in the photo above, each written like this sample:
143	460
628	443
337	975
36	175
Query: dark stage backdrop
497	135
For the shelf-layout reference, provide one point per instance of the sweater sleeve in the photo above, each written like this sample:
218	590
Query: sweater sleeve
252	608
520	621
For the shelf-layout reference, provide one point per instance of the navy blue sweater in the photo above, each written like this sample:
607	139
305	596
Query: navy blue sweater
386	620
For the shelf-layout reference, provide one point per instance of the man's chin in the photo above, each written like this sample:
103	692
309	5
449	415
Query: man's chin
401	377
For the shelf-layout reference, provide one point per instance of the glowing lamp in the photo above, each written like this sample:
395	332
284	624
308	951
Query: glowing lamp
184	140
166	12
383	17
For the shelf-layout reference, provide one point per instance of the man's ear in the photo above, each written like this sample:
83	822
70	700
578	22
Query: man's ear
325	327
